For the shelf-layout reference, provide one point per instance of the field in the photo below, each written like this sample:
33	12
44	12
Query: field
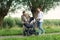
42	37
19	31
51	27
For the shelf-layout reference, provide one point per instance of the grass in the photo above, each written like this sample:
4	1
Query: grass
12	31
19	30
42	37
50	26
52	21
52	29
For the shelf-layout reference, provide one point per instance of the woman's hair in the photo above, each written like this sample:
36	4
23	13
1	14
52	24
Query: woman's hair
40	7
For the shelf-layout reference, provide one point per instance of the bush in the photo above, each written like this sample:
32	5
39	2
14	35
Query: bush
52	22
8	22
18	22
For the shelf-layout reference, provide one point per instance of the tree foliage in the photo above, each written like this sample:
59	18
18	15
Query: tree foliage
6	5
45	4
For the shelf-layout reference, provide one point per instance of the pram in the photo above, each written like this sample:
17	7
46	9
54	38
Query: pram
29	28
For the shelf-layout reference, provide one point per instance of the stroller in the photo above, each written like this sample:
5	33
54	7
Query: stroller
29	28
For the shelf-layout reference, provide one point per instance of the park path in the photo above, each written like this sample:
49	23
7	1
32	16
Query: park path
21	36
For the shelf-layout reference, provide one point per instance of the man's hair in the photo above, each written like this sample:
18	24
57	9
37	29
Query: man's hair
23	12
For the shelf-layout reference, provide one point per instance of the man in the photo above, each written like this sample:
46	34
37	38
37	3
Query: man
40	20
23	17
26	19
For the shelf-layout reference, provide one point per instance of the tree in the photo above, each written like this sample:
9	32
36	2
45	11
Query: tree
6	4
44	4
4	7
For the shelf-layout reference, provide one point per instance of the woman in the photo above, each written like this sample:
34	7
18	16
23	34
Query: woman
40	20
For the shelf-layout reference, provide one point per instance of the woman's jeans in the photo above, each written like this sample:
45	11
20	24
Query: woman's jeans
40	30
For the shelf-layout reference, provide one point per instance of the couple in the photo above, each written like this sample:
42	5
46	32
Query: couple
26	19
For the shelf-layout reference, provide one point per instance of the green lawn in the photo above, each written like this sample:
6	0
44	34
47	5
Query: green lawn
12	31
42	37
19	30
49	27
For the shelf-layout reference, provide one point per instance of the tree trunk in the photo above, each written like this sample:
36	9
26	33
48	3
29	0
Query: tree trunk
1	21
4	10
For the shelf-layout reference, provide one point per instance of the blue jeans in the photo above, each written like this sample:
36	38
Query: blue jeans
41	30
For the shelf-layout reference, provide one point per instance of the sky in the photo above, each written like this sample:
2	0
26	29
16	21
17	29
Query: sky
51	14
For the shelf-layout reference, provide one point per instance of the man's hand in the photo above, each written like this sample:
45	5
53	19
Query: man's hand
38	19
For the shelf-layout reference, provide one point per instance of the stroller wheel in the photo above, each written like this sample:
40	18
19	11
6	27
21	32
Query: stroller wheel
24	33
36	33
28	33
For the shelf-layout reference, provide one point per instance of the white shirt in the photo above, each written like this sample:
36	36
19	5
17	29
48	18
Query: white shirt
40	16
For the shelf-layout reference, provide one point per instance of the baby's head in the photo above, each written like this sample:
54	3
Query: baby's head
27	15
